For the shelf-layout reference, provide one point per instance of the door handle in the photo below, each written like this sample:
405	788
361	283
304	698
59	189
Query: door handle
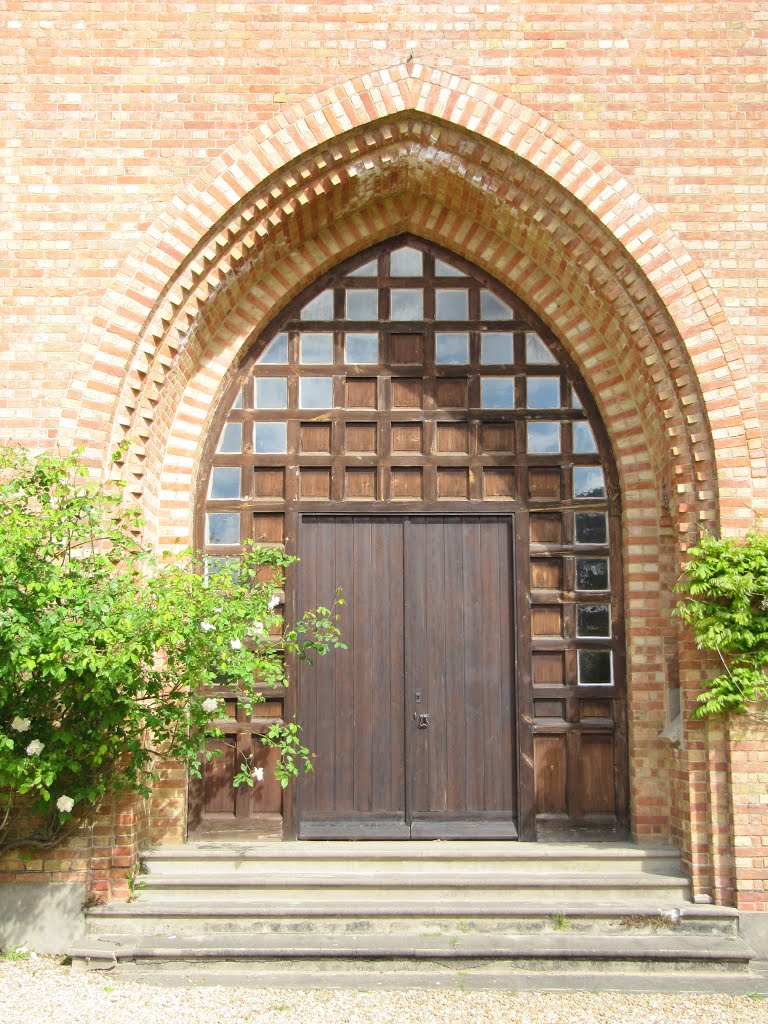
422	721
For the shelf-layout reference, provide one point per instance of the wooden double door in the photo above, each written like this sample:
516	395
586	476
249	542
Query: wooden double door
413	727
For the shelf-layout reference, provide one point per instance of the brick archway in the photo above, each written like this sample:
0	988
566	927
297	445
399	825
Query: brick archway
268	185
411	149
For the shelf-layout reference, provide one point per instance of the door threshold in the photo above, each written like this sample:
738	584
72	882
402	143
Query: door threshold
260	827
361	831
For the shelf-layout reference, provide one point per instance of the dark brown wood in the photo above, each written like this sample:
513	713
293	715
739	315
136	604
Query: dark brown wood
213	798
429	623
218	792
351	702
409	434
551	774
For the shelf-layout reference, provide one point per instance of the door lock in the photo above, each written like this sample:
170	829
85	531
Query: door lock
421	720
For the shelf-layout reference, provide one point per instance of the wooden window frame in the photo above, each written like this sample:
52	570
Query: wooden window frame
355	480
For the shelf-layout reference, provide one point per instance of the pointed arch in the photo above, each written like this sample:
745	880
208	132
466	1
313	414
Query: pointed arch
406	383
411	149
269	187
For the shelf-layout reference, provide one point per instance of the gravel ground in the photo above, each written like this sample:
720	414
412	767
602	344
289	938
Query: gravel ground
39	990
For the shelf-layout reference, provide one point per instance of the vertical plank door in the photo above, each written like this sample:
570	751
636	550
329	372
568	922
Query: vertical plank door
459	675
350	703
412	726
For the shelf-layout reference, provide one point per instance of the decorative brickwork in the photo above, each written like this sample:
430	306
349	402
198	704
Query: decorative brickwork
286	190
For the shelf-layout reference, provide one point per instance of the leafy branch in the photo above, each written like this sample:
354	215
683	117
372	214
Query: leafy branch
725	603
111	657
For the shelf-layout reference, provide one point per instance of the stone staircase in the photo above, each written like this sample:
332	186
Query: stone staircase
388	913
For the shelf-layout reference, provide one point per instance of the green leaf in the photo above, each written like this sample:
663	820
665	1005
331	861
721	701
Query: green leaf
724	601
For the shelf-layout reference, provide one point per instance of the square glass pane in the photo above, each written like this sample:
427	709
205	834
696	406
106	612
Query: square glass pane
225	482
588	482
452	347
595	668
593	620
406	262
276	351
592	573
320	308
494	308
238	402
497	347
543	437
270	438
223	527
583	439
536	352
543	393
367	270
362	348
451	304
443	269
218	563
362	304
591	528
316	348
406	304
316	392
231	440
497	392
271	393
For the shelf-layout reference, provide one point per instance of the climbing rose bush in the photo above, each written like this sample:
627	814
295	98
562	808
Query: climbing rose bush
111	657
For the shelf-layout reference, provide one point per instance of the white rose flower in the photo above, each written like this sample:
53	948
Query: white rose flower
258	774
207	626
235	645
20	724
35	747
258	627
274	601
210	704
65	804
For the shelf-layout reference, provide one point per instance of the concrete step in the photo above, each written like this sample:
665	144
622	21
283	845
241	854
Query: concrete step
412	918
439	886
510	953
403	857
439	976
349	910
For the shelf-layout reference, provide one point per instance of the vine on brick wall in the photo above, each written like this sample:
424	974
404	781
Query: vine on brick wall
111	657
725	602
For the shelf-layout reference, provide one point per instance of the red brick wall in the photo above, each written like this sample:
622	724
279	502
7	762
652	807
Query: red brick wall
102	854
111	107
748	757
114	110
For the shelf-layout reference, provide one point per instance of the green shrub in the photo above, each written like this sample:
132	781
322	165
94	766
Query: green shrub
725	602
111	657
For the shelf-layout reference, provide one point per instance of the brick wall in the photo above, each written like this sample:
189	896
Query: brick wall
102	854
113	111
112	107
